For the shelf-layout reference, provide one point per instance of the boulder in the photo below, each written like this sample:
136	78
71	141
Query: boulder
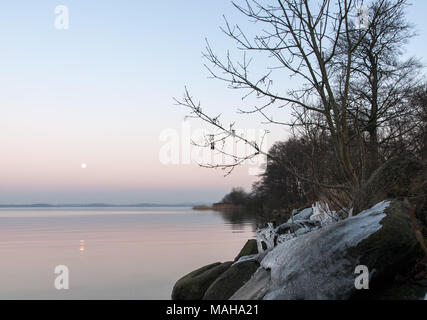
256	288
408	290
248	249
399	177
321	265
231	280
194	285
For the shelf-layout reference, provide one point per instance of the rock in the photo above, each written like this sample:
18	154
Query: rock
397	178
248	249
321	264
194	285
231	280
256	288
407	290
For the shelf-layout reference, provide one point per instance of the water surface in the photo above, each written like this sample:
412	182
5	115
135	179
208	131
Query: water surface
111	253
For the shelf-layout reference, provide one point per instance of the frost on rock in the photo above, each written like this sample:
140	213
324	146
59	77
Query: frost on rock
304	230
302	215
300	223
265	236
269	237
323	214
302	268
285	237
247	258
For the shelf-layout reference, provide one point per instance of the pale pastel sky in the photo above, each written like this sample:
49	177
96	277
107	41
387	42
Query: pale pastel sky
100	94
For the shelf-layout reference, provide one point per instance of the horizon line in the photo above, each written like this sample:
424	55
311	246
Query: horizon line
99	205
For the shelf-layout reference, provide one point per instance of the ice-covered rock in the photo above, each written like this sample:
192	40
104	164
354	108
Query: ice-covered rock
323	214
321	264
302	215
327	243
290	227
267	238
285	237
304	230
254	257
247	258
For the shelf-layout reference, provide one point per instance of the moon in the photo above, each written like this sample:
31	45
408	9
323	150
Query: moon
84	165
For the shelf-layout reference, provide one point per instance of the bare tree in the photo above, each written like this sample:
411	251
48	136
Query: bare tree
417	138
382	84
305	40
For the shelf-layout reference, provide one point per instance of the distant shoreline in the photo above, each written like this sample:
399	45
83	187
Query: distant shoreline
218	207
95	205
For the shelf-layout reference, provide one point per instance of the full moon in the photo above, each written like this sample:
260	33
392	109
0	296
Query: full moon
84	165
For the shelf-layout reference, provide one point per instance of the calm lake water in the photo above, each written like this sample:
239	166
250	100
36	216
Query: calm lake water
111	253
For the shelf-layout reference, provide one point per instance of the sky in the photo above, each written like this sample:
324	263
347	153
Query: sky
87	113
